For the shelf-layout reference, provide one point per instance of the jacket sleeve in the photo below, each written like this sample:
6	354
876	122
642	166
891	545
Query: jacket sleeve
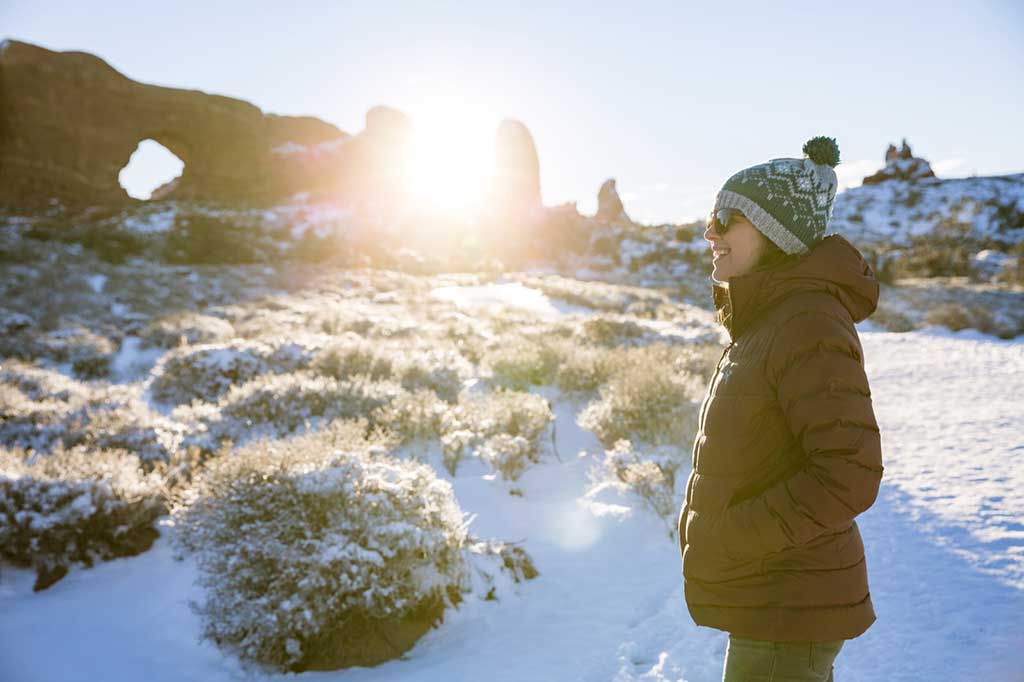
815	364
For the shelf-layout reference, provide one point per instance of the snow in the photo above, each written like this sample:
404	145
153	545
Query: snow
131	359
895	211
956	448
497	296
323	219
97	282
289	148
944	542
152	222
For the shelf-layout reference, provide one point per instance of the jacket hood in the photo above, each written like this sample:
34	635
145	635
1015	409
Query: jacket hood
834	265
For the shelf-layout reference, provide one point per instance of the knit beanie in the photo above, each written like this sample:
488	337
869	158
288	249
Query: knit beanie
788	200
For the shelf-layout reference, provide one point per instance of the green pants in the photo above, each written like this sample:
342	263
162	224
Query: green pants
755	660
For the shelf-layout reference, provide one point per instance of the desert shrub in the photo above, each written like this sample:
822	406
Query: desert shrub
275	405
442	370
892	319
109	242
353	356
934	257
882	262
490	559
76	505
956	316
42	411
206	372
413	415
1013	272
201	238
651	476
298	543
519	362
502	427
87	352
611	330
182	329
117	418
652	397
465	334
36	383
586	368
12	322
510	455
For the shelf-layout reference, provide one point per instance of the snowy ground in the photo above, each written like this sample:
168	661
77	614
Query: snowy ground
945	547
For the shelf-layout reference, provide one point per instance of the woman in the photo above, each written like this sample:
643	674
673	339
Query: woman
787	451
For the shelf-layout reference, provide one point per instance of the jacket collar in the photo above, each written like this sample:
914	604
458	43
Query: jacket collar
834	266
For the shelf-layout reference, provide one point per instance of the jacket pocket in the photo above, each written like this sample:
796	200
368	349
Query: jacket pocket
705	556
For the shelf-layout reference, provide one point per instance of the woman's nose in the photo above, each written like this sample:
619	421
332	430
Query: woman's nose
710	234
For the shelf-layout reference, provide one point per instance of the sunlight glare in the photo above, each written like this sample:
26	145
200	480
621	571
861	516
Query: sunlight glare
451	158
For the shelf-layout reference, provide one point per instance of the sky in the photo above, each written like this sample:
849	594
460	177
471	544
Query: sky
670	98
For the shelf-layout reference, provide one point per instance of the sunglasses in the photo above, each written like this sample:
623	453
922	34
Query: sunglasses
721	219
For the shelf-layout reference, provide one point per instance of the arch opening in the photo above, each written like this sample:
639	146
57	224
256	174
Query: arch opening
151	166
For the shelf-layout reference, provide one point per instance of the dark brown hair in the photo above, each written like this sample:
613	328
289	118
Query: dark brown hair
774	257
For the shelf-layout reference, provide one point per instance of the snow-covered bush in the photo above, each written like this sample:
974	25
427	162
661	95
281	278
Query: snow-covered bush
352	356
891	318
956	316
413	415
441	370
182	329
303	547
42	410
75	506
519	362
612	330
1012	271
587	368
653	398
502	427
37	383
222	238
650	476
116	417
280	404
87	352
206	372
12	322
511	455
491	560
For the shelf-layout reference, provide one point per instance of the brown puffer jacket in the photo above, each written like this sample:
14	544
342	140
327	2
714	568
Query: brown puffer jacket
786	455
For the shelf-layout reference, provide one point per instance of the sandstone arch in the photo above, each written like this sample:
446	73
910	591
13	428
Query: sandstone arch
69	122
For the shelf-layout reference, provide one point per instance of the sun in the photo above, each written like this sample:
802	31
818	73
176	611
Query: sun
450	160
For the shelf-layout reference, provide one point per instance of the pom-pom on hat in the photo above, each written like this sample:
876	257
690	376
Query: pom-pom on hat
788	200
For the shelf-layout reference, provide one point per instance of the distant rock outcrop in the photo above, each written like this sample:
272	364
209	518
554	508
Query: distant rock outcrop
609	205
901	164
516	180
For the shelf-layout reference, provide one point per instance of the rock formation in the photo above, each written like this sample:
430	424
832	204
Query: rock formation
901	164
516	179
69	122
609	205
